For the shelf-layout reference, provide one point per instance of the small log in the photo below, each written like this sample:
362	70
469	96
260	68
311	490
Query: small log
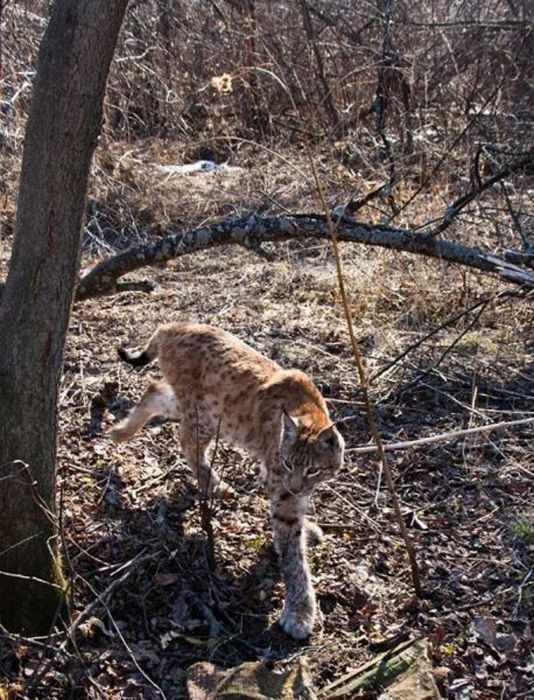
406	667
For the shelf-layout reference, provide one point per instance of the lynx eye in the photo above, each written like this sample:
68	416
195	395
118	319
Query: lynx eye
312	473
287	466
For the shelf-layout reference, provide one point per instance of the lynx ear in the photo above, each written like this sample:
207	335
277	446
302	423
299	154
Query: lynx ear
290	427
329	436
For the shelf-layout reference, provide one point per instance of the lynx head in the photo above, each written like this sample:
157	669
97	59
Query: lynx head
308	455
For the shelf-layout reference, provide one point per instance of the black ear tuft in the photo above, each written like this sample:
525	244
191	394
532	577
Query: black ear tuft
290	426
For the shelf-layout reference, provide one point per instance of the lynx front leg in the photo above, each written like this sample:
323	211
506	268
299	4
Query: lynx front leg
288	518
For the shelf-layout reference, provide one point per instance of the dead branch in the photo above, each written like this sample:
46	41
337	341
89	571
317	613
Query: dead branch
442	160
450	346
454	209
125	644
441	437
333	230
326	91
382	97
129	568
254	229
449	322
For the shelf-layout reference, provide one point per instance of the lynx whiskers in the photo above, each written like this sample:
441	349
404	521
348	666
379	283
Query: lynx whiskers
216	385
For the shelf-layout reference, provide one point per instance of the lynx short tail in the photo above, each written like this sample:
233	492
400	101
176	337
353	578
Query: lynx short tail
139	360
147	354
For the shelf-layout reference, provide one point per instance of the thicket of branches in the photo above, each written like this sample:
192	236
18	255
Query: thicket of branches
398	72
415	75
430	94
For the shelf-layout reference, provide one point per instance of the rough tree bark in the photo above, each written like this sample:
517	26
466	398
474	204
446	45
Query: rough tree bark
61	135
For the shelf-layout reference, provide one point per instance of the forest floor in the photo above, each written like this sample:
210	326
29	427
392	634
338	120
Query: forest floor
135	550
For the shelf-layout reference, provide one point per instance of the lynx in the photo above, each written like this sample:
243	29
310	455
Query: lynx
217	386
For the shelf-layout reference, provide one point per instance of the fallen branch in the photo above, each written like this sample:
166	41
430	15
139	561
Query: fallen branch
441	437
254	229
383	670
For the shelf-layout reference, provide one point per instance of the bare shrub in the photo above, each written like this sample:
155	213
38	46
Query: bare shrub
411	96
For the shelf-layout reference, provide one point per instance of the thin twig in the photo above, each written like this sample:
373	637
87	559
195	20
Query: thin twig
364	383
205	501
454	209
424	184
483	305
36	579
327	98
133	565
520	588
125	643
38	642
381	100
19	544
441	437
449	322
514	216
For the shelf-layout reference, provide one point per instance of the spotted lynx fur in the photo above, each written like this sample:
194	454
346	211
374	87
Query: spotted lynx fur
220	387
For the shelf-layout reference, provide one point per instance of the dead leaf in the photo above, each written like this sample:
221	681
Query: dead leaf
163	579
486	628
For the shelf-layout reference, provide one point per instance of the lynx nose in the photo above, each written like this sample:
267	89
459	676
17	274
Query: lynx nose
295	483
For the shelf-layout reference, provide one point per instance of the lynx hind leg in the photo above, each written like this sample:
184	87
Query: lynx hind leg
158	400
195	440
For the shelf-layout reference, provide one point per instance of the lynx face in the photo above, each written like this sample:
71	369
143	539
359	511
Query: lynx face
309	458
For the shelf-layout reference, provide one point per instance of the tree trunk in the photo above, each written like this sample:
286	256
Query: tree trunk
61	136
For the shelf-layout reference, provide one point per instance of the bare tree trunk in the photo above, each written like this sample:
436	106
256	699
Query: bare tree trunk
326	96
61	136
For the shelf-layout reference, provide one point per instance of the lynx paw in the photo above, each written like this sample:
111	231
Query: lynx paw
119	434
298	624
314	534
216	489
